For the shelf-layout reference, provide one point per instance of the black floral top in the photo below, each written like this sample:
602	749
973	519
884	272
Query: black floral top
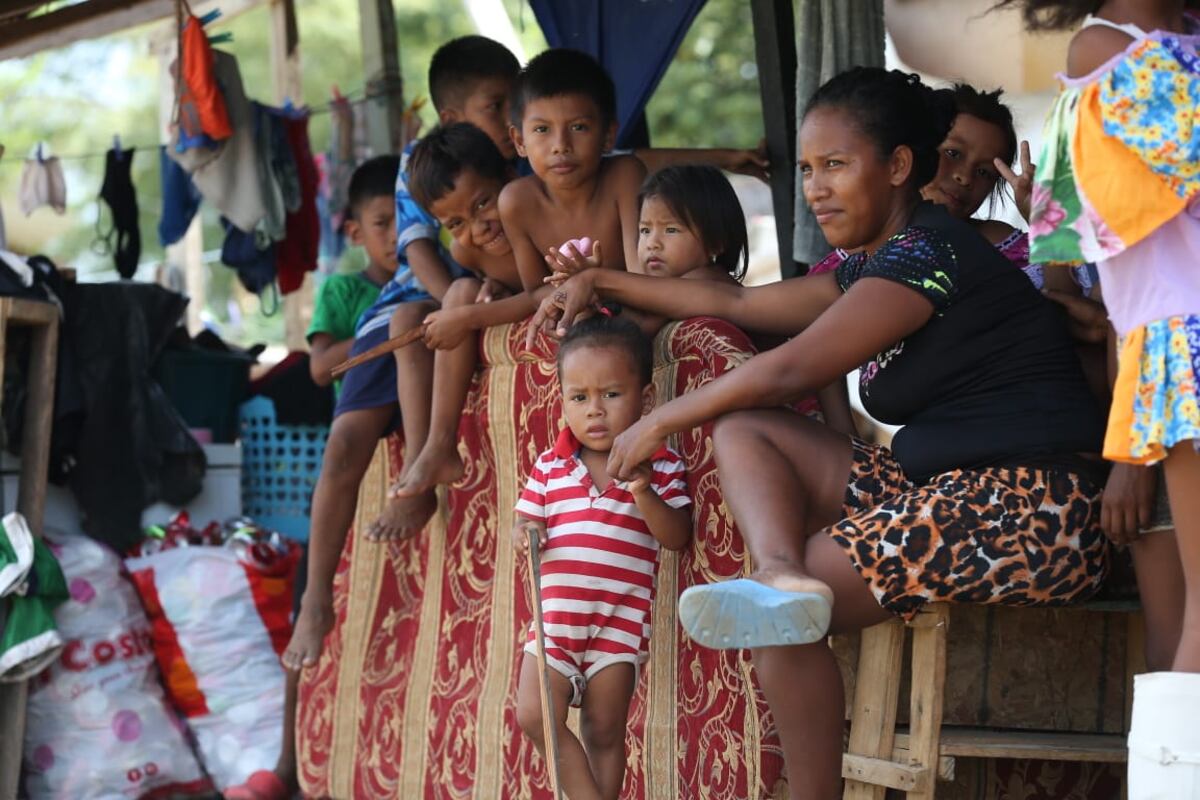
992	379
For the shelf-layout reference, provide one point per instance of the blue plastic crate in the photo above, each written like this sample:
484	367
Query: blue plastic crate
280	465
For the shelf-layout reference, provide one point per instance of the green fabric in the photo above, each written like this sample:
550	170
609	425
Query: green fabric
341	300
1056	216
30	639
831	36
16	553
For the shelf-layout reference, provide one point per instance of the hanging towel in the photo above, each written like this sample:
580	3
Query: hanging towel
180	200
298	252
118	193
831	36
42	183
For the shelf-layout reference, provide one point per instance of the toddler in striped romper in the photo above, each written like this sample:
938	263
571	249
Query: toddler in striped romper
599	542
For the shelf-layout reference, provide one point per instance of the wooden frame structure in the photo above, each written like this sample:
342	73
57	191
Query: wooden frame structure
42	318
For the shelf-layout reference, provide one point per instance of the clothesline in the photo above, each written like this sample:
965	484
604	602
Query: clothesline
313	111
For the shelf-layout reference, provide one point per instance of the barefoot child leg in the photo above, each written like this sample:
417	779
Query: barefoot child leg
598	532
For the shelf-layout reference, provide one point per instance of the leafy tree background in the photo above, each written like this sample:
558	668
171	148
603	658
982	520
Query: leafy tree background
76	98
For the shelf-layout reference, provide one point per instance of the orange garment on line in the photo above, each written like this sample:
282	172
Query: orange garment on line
201	101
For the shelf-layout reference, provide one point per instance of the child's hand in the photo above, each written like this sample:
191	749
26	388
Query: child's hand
521	531
491	289
754	163
640	479
1022	185
1087	319
574	256
1128	503
446	329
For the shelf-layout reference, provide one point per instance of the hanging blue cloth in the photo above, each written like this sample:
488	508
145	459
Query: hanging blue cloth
635	42
180	199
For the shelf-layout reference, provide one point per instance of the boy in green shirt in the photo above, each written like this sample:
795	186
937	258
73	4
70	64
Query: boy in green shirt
341	299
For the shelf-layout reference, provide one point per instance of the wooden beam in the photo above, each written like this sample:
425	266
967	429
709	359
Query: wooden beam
775	52
102	18
878	772
381	70
88	20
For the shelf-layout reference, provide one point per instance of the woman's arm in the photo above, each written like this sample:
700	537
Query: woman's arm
784	308
875	314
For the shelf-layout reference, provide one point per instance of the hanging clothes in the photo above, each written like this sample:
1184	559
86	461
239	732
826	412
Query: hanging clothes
298	251
226	176
340	158
118	193
273	163
252	255
42	183
201	106
335	167
180	200
831	37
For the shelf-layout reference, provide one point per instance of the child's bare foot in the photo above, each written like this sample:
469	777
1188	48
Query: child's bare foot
308	635
403	517
435	466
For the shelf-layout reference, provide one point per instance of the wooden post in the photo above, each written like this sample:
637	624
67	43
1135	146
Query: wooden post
285	51
873	718
31	491
775	52
927	694
381	69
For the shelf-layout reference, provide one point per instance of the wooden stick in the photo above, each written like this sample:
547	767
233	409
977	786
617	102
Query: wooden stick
381	349
549	731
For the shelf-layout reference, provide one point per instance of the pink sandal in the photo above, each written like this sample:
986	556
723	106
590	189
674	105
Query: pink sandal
262	785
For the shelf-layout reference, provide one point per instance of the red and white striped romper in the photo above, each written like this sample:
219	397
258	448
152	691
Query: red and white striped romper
599	561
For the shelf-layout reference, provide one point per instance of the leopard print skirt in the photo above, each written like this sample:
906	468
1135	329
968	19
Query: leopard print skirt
1021	537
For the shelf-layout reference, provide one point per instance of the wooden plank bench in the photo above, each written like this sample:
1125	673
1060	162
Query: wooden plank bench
881	755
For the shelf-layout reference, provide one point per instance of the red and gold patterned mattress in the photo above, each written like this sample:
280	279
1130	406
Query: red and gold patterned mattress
413	697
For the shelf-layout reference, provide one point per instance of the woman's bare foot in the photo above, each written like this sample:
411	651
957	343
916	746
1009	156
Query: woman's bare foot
403	517
308	636
436	465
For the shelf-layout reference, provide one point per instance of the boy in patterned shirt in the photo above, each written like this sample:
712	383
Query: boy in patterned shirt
599	539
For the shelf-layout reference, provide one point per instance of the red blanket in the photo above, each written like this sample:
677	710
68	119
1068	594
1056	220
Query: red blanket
414	696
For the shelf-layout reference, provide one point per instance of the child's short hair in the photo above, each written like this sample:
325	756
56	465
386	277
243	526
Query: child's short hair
562	71
616	332
460	62
701	198
375	177
443	153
